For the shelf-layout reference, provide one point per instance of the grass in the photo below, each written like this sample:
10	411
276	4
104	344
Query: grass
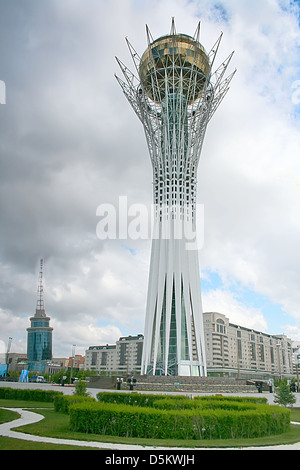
56	425
295	414
8	443
24	404
7	415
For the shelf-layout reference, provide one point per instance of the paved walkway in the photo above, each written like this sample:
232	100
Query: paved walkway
30	417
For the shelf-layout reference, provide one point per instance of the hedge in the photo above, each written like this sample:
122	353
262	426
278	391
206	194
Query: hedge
145	422
63	402
257	400
136	399
28	394
143	399
171	404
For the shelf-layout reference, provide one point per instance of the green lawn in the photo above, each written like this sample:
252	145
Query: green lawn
56	425
24	404
8	443
7	415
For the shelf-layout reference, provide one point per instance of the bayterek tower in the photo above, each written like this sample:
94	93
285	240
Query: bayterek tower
174	93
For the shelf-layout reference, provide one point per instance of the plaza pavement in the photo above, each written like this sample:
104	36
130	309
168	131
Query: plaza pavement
29	417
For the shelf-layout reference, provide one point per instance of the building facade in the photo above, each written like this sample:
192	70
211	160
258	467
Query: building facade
243	352
231	350
39	340
102	359
122	358
174	96
296	358
129	351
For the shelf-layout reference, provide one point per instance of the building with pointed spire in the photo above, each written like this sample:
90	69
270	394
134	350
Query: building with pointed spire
39	339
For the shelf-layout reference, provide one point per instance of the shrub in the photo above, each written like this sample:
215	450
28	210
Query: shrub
136	399
213	403
81	388
28	394
62	403
198	423
284	396
257	400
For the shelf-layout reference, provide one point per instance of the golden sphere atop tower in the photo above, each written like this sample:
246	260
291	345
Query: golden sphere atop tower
174	63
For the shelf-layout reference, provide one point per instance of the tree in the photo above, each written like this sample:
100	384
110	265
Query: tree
283	395
80	389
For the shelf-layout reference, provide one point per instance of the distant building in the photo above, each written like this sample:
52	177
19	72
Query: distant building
16	361
243	352
39	344
124	357
39	339
129	353
296	357
101	358
77	361
56	365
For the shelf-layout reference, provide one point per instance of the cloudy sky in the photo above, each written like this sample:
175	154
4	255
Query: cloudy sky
70	142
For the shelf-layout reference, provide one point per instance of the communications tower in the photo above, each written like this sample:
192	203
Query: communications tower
174	93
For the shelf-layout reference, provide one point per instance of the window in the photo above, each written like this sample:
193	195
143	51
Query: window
94	359
239	346
272	355
262	353
220	326
253	351
104	358
123	348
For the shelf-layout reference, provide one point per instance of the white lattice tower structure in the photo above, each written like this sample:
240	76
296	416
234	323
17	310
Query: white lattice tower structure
174	94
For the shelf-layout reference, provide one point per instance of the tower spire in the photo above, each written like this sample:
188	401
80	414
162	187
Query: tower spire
173	28
40	308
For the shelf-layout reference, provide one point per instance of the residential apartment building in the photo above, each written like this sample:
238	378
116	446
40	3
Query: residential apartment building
101	358
296	357
77	361
123	358
243	352
129	353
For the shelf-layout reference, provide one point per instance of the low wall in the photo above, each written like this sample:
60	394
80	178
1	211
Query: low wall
176	383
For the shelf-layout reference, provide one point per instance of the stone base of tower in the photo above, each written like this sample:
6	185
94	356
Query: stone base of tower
193	384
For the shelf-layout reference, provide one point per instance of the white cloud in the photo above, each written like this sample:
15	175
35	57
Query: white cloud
13	326
82	334
225	302
2	347
292	331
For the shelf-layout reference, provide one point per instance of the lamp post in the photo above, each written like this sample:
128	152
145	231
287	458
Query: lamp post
72	363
